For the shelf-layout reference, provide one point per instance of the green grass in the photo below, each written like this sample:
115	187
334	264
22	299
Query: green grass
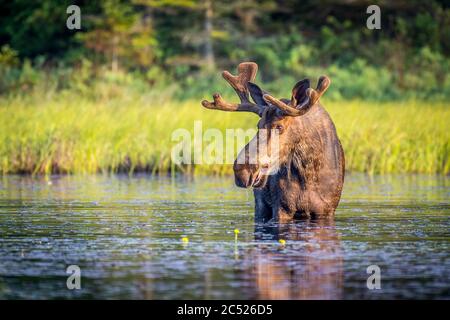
68	134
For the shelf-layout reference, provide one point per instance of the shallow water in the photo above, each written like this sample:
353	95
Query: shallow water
125	235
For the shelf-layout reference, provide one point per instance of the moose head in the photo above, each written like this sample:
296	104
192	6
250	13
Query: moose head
296	144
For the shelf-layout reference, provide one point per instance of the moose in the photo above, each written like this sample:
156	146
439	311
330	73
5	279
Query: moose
304	178
315	271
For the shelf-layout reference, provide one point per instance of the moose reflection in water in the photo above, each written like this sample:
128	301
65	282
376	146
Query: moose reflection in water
124	233
308	266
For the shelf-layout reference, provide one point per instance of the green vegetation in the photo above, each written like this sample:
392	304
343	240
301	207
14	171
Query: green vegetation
68	134
183	44
106	98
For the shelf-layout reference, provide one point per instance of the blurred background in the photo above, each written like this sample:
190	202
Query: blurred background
79	106
106	98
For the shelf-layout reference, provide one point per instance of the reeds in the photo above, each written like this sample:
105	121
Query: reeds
70	134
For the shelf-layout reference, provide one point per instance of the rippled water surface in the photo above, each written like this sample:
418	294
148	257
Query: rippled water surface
125	235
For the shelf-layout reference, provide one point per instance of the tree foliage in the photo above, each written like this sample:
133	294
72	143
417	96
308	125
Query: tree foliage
183	41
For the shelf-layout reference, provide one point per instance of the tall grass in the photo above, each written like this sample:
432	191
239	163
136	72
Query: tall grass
65	133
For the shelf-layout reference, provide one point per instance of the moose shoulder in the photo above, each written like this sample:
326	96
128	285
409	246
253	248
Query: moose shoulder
295	164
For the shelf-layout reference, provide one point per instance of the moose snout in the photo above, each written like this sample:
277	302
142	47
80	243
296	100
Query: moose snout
242	175
246	166
264	163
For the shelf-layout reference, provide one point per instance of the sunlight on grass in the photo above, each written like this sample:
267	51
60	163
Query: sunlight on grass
68	134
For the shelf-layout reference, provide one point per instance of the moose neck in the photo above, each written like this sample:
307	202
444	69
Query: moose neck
306	156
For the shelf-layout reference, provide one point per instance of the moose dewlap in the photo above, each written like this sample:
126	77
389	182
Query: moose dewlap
302	174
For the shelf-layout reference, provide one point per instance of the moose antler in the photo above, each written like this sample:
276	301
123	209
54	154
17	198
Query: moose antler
292	109
246	72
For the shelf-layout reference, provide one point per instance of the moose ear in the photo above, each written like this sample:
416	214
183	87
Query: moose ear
257	94
299	92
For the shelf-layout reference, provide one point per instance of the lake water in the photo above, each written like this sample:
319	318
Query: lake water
125	235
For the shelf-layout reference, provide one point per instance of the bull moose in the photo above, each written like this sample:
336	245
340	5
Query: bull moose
307	175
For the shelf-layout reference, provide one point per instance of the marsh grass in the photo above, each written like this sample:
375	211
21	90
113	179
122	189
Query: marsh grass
71	134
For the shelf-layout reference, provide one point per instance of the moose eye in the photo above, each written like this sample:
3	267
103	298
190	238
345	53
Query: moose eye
278	127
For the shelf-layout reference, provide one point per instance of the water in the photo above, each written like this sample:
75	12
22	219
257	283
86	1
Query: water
125	235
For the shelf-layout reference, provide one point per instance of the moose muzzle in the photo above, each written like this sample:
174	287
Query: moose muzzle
251	168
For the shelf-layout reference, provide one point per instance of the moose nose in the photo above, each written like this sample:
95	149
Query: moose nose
242	175
264	163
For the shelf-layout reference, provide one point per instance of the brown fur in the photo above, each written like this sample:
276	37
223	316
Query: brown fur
315	271
309	182
310	175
